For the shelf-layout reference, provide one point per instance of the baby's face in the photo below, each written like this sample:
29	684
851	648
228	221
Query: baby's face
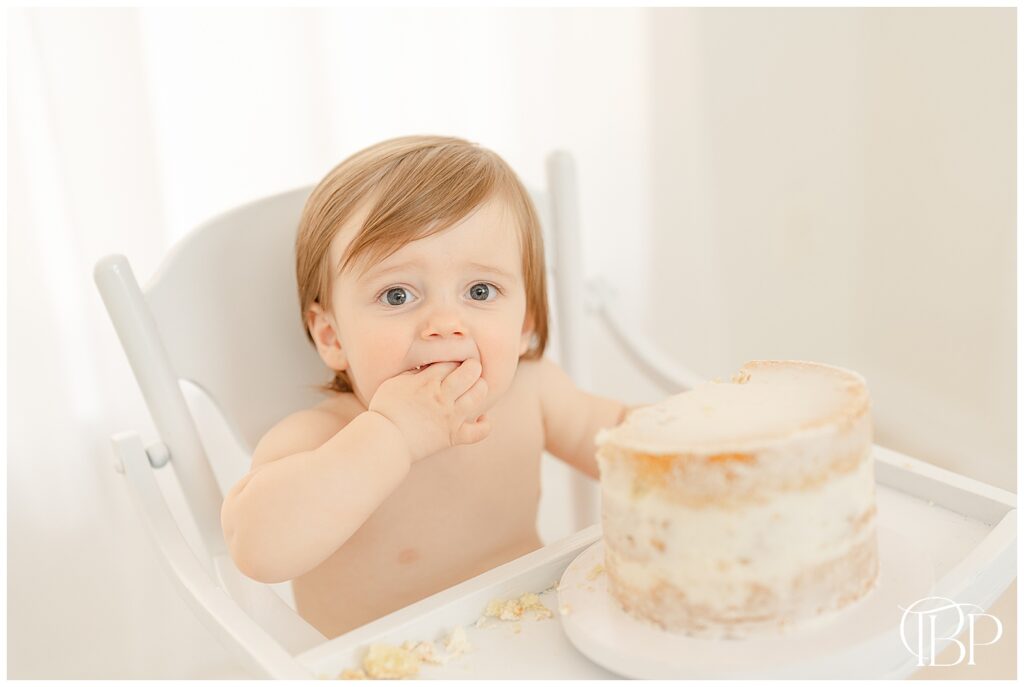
451	296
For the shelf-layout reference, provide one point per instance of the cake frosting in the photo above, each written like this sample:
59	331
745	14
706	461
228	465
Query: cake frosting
744	508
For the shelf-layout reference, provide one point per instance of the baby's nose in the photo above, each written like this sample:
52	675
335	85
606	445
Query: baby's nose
444	322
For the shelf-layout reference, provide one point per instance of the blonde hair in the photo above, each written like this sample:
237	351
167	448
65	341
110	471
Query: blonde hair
418	186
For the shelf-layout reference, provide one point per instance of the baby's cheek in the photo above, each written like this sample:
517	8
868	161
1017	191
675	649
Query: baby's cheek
498	368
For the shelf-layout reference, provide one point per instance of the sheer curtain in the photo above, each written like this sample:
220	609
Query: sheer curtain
130	126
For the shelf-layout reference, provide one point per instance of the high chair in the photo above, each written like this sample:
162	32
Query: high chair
221	312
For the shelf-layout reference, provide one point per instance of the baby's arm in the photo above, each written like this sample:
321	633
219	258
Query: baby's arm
572	418
314	481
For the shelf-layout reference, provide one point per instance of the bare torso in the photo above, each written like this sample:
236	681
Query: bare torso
459	513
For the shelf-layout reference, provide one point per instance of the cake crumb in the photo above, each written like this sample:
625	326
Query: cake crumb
741	377
517	628
424	652
387	662
457	644
565	609
595	572
513	609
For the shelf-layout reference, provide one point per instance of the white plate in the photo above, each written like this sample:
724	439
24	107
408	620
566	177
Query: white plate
829	647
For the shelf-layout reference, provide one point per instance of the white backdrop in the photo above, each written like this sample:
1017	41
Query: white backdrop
833	185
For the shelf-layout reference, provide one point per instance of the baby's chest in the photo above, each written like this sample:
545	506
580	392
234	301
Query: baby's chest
493	484
499	474
467	502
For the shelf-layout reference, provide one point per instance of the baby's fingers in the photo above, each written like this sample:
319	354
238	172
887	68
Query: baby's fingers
473	398
472	432
461	378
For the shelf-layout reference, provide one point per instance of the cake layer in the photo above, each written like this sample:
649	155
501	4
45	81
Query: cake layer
769	401
736	479
771	541
761	609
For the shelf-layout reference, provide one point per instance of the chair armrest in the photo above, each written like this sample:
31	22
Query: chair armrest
268	610
654	362
249	643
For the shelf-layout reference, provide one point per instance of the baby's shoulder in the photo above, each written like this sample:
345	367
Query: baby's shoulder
533	382
534	373
528	376
304	430
343	405
527	368
551	384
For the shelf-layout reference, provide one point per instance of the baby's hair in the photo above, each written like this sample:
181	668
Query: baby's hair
417	186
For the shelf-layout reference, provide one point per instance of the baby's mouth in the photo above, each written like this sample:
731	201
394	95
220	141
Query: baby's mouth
426	365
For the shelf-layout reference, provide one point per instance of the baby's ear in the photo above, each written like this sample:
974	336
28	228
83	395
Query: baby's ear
323	328
527	336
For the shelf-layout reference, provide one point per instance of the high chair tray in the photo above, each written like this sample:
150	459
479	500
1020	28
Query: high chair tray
964	529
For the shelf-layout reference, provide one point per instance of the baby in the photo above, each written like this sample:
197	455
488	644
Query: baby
421	277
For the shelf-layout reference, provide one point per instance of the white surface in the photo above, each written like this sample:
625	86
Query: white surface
970	559
631	647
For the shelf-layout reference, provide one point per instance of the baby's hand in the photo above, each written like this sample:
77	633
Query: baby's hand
437	407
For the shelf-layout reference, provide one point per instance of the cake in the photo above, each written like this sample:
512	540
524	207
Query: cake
745	508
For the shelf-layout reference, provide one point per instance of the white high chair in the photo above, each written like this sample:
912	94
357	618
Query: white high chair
221	312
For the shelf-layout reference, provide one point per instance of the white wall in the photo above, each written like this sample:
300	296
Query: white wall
825	184
837	185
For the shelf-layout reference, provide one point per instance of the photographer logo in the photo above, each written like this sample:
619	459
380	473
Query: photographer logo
926	618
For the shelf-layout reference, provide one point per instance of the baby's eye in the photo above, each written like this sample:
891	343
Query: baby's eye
481	290
394	295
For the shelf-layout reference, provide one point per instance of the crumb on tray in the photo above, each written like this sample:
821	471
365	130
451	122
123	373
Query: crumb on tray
457	644
424	651
513	609
388	662
741	377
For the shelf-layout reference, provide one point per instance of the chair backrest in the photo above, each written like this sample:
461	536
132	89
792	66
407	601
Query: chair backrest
226	303
222	312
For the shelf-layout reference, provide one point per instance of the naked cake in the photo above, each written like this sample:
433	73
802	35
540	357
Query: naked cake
744	508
